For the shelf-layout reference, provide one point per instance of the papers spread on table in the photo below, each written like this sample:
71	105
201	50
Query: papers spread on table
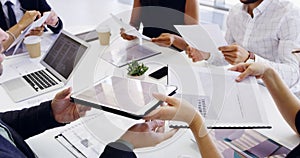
206	37
231	104
130	30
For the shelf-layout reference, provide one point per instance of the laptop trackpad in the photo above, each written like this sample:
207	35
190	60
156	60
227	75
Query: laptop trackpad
18	89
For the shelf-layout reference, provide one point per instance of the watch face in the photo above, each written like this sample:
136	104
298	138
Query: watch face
251	56
250	61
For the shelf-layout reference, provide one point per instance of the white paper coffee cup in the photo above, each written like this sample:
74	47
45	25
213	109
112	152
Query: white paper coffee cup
103	34
33	46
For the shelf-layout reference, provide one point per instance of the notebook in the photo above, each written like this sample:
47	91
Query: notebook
60	62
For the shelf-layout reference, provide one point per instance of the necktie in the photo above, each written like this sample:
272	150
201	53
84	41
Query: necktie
11	14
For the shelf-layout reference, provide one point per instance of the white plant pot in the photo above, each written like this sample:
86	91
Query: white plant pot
142	77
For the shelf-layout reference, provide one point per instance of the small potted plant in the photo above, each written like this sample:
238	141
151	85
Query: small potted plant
136	70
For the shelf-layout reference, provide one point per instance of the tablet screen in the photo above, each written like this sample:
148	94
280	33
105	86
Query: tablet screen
133	96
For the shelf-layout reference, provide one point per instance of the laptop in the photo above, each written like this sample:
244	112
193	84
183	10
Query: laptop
61	60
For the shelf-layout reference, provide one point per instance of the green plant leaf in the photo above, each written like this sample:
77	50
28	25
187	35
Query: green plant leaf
136	69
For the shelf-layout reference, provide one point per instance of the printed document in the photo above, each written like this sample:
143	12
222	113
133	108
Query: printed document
231	104
130	29
206	37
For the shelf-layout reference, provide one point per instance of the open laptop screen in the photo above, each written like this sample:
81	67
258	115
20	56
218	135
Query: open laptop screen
64	54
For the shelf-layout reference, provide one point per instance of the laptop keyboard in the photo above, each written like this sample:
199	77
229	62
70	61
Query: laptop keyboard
40	80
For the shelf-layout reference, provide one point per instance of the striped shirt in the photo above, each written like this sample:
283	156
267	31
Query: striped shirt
272	33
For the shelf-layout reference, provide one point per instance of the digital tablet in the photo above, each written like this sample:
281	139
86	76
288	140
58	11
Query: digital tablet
88	36
15	51
123	96
123	56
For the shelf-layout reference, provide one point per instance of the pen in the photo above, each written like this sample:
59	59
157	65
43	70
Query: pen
194	141
24	10
296	51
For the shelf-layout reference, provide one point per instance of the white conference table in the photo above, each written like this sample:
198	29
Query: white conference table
94	68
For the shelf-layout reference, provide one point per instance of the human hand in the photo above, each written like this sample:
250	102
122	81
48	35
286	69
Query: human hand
52	19
254	69
176	109
38	31
3	37
195	54
126	36
147	134
234	54
65	111
28	18
165	39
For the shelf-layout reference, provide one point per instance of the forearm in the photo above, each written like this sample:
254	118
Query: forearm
135	14
179	42
191	16
287	68
31	121
206	145
57	28
15	31
286	102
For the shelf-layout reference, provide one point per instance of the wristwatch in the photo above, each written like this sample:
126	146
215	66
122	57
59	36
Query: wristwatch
251	58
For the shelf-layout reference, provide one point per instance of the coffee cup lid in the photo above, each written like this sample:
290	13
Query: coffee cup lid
103	28
32	39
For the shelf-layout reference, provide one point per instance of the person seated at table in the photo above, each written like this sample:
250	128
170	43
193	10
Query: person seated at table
16	30
12	11
255	33
160	16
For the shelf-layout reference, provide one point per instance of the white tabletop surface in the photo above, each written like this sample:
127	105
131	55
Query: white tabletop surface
79	17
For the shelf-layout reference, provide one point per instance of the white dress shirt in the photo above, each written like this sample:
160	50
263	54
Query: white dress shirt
16	7
272	33
6	134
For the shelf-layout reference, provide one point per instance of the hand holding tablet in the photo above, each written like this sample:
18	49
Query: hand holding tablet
127	97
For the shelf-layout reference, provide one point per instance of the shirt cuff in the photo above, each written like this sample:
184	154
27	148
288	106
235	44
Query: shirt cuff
56	25
129	145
